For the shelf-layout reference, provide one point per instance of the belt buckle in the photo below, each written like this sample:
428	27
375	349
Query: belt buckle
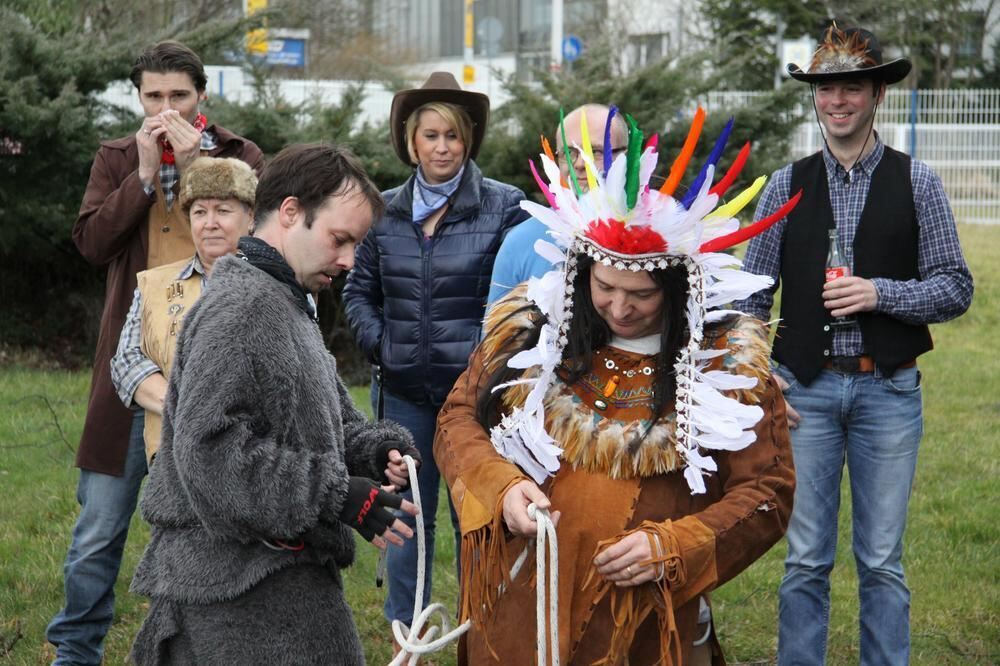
846	364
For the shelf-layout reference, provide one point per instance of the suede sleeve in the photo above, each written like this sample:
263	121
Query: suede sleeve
476	474
114	205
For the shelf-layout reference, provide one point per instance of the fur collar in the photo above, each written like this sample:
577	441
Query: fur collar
595	443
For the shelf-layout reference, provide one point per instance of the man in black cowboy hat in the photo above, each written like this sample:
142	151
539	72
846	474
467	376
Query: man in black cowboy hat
847	343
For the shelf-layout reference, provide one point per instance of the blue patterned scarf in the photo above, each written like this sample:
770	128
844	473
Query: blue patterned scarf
428	198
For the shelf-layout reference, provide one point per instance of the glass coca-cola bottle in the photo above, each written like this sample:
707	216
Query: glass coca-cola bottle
836	267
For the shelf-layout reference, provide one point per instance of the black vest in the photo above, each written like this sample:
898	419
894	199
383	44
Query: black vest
885	245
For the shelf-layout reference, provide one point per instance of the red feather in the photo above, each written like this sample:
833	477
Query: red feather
727	181
749	231
614	235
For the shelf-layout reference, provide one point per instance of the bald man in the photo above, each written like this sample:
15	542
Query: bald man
517	261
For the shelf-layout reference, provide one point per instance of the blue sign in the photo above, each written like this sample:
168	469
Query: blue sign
286	52
572	47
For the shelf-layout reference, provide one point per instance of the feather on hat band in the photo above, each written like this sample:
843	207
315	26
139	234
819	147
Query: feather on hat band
850	53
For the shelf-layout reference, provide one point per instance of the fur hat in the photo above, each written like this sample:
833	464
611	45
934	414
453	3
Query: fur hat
217	178
853	53
439	87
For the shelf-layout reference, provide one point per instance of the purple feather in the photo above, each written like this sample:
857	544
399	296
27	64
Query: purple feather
713	159
607	139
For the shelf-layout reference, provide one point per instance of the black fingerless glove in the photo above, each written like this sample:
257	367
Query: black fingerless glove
382	456
366	507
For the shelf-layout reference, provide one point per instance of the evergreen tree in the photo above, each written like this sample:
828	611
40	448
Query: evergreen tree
51	122
49	130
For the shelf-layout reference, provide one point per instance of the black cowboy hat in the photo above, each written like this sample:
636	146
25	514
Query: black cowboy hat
853	53
439	87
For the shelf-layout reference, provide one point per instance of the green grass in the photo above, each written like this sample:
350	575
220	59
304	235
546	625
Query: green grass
951	558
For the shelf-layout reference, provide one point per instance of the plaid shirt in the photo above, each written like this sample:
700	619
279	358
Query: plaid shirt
944	290
169	175
130	366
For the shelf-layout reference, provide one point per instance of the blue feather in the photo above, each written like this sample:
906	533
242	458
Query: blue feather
607	138
713	159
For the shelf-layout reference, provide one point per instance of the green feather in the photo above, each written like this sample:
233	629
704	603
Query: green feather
632	162
569	158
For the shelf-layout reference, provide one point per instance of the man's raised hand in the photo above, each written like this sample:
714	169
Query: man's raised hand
183	137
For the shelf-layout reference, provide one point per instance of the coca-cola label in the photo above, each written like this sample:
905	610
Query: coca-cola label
836	272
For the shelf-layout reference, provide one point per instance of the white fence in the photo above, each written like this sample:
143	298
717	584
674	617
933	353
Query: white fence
233	85
956	132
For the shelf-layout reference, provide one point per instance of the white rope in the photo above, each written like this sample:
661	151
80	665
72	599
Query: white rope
412	644
546	535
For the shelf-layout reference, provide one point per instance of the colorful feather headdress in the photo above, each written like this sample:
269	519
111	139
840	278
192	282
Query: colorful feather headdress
620	221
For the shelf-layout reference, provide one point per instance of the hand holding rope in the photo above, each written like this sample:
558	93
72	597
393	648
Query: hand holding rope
413	644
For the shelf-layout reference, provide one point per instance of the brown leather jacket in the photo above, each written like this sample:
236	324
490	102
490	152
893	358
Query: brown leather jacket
111	230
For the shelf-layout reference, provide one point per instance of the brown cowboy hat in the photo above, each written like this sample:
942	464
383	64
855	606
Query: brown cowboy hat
850	54
439	87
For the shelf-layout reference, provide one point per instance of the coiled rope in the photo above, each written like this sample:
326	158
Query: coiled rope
415	641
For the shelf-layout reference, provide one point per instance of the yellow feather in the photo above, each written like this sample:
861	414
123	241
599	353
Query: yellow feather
588	150
740	201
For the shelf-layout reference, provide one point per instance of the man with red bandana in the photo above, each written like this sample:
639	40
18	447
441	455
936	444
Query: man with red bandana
128	222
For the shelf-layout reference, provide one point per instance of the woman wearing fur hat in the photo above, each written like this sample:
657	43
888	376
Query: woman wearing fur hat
613	393
416	296
217	195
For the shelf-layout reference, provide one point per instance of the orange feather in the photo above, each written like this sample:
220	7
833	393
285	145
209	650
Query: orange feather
680	164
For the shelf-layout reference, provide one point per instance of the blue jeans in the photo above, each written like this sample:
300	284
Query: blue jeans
421	421
95	556
875	423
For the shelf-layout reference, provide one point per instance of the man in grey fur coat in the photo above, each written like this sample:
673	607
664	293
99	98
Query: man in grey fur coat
265	462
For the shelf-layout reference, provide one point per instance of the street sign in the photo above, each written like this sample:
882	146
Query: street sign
468	74
256	40
286	52
572	47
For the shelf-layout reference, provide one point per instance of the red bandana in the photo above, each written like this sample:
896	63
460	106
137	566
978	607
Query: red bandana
200	123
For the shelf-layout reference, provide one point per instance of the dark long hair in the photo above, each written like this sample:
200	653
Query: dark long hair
588	332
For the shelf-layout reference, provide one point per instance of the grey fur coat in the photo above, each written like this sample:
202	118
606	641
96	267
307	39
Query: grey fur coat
259	438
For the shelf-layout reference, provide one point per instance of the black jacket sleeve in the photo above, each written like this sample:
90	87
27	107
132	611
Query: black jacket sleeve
363	298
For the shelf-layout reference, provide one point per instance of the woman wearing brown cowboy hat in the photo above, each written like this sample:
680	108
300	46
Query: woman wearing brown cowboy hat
416	297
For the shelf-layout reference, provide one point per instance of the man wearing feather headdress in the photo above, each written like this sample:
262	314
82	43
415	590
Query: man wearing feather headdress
846	347
615	394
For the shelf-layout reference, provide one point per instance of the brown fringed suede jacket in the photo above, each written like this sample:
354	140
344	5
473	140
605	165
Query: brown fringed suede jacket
709	538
